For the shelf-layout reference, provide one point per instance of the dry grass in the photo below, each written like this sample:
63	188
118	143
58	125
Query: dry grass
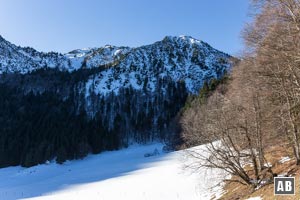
235	191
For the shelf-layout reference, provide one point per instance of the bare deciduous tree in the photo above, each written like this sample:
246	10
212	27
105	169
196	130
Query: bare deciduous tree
274	38
230	125
262	101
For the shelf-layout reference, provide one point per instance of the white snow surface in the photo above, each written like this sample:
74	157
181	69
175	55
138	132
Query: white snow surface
123	174
284	159
255	198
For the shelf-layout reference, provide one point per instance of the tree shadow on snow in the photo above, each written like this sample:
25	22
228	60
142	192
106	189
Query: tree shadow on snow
18	183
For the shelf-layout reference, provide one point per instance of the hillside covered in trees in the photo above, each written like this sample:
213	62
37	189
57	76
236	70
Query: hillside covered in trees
256	111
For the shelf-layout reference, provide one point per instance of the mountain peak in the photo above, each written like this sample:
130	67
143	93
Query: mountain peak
189	38
182	38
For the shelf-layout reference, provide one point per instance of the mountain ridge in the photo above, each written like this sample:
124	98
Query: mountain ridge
181	58
30	50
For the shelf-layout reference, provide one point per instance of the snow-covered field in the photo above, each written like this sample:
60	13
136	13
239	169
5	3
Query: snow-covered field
124	174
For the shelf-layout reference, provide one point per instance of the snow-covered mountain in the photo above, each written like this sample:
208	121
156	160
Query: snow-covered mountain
180	58
64	106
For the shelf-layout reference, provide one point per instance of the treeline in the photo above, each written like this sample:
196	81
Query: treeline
259	107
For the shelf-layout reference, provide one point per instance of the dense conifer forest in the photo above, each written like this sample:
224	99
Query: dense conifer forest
51	122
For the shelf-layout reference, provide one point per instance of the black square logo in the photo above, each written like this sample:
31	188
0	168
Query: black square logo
284	185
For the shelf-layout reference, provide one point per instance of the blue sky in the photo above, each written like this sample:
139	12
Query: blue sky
64	25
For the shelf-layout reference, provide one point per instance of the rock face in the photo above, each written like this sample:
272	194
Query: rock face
126	94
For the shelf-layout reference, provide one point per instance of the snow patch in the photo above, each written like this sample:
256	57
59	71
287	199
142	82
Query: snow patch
284	159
